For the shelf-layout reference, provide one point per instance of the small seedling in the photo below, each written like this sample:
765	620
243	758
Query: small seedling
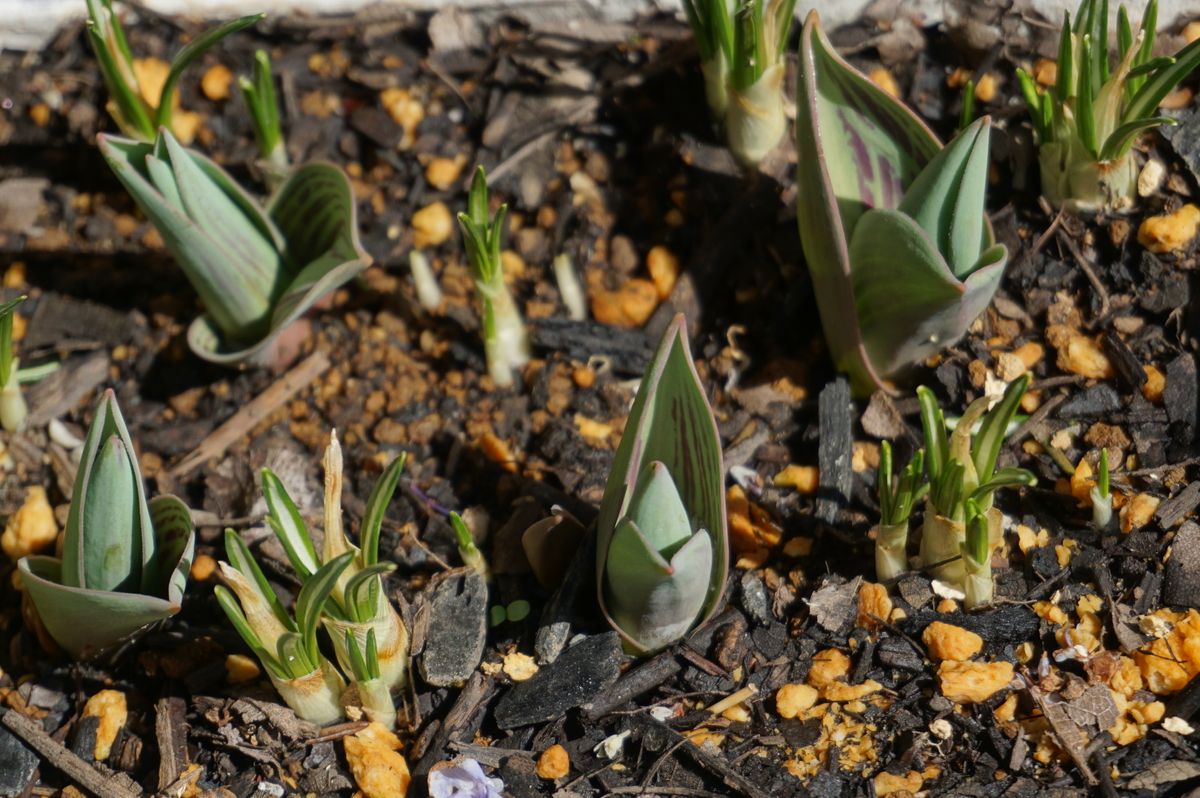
259	94
505	341
1103	519
515	612
897	497
472	557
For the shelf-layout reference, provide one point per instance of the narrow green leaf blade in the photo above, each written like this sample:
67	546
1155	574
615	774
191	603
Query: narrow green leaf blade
288	524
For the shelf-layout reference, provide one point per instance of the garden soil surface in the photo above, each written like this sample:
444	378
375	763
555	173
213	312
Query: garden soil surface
1080	680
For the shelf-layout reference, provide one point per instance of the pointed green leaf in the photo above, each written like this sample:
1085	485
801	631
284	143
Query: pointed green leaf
312	599
377	504
985	448
909	304
1085	117
193	50
947	199
362	589
240	558
933	424
658	511
1123	137
1158	86
293	533
233	611
1065	85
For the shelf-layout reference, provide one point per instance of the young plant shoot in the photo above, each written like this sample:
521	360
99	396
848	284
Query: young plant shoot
662	548
897	496
1086	124
742	58
505	341
257	269
12	404
892	224
472	557
259	95
1103	519
369	689
963	479
124	562
358	602
286	646
131	103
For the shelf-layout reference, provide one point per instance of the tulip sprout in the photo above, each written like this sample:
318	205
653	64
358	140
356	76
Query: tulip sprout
742	58
259	94
373	692
892	224
257	269
897	497
287	647
125	560
1086	124
1101	496
138	115
963	479
472	557
662	547
505	340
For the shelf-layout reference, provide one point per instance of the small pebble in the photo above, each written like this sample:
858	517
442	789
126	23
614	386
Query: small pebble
792	699
203	567
804	479
1155	384
882	78
373	755
553	763
973	682
1150	179
828	666
240	669
664	270
110	707
1170	232
949	642
442	173
32	527
215	82
432	225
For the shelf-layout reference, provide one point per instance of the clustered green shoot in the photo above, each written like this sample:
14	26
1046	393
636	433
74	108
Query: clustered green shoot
1103	519
742	50
367	634
959	481
961	527
897	497
259	93
128	105
1086	124
505	341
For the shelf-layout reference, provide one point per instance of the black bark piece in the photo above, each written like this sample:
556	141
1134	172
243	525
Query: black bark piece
1098	401
1179	397
628	351
640	680
1174	509
1010	624
836	412
457	629
1162	287
19	764
1130	372
582	672
1181	577
571	603
62	322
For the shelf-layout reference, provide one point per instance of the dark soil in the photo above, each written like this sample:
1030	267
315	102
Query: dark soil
599	139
